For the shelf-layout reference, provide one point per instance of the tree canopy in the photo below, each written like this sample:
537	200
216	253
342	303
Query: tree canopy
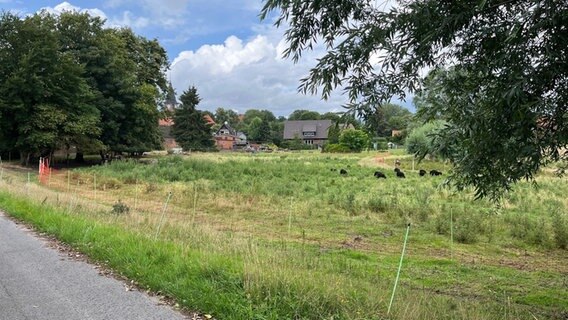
388	118
226	115
420	140
67	81
506	96
304	115
264	115
259	130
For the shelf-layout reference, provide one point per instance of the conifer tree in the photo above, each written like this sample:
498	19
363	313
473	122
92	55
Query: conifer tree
190	129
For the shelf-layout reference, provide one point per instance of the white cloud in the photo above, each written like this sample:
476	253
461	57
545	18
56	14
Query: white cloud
217	60
238	73
243	74
127	19
66	6
249	74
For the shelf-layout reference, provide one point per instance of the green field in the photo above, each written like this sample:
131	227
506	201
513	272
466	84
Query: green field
285	236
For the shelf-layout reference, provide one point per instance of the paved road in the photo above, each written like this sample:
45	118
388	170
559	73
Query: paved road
37	282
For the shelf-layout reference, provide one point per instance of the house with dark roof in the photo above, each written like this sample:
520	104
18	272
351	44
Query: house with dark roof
311	132
227	138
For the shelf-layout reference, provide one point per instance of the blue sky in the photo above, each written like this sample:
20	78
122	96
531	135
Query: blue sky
220	46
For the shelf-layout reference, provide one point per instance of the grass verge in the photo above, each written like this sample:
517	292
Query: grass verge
195	278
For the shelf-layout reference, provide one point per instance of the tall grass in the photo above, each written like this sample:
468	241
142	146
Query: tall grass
227	249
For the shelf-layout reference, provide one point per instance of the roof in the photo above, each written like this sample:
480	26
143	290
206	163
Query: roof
208	119
225	125
297	127
309	128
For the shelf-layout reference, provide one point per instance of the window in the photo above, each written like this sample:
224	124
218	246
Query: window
309	134
309	141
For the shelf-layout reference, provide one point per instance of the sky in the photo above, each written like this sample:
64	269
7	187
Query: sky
219	46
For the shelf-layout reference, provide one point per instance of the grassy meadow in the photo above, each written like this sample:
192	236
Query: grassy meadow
285	236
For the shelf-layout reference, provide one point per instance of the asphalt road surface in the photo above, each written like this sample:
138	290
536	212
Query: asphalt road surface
38	282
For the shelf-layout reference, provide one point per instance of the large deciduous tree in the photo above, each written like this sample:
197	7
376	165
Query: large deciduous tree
304	115
506	99
190	129
264	115
140	64
223	115
421	140
333	116
259	130
67	81
386	119
44	98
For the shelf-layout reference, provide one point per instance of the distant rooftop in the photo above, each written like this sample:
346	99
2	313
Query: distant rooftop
305	128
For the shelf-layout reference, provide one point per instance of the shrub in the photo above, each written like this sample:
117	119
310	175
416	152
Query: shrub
466	229
355	140
297	144
468	225
423	212
441	224
336	148
120	208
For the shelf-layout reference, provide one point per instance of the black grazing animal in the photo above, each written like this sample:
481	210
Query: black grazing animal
379	174
422	172
399	174
343	172
435	173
